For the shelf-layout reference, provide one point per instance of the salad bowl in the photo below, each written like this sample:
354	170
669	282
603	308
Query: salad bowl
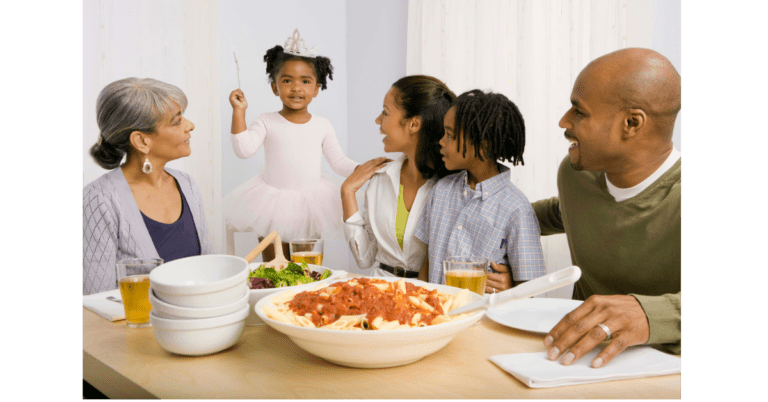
254	295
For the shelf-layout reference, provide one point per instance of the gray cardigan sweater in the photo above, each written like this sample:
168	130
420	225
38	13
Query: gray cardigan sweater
113	228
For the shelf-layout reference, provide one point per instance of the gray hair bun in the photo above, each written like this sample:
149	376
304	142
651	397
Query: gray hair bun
128	105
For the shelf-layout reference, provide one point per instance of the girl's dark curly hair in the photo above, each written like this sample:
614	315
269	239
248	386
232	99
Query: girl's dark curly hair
428	98
321	66
492	123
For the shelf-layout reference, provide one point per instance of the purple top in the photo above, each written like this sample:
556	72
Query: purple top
175	240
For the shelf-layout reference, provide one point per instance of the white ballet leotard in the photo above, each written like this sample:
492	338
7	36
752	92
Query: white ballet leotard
291	196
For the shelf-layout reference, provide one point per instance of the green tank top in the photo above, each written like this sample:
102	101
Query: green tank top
402	218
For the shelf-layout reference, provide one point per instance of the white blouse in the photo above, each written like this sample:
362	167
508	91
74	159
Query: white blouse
371	233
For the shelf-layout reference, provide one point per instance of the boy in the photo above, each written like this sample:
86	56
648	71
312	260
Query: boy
478	211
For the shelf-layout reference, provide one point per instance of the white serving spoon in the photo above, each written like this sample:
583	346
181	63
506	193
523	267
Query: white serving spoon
525	290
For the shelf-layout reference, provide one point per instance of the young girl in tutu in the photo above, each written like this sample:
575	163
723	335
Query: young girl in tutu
291	196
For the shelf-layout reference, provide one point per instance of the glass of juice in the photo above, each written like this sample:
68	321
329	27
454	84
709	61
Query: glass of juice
307	250
466	272
133	281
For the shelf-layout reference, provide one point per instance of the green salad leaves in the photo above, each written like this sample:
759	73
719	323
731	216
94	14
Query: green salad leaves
292	275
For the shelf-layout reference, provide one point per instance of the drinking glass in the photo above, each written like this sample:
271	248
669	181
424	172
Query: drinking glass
307	250
133	281
466	272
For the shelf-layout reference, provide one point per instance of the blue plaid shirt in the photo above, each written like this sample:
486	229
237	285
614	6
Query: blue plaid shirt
494	220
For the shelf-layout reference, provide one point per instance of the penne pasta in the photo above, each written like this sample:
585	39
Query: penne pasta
304	321
401	286
416	318
381	286
366	304
376	323
460	299
284	298
447	304
281	317
441	319
283	308
420	303
389	325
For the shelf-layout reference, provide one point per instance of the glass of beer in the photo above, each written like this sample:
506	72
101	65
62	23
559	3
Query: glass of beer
467	272
307	250
133	280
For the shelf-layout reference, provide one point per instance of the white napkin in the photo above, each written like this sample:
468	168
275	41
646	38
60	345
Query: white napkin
536	371
108	309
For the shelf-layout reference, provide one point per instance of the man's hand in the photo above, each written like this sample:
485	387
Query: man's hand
578	332
500	281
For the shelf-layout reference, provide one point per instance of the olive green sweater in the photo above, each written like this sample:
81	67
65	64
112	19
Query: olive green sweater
628	247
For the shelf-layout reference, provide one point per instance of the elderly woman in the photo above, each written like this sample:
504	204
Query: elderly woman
140	209
412	124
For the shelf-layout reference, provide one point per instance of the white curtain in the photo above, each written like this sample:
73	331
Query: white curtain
530	51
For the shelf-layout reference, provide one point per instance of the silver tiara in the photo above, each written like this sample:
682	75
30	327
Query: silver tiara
295	45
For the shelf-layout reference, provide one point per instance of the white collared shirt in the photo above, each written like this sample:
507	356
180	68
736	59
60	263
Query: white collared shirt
371	233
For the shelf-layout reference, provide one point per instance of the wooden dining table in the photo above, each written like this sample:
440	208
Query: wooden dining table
265	364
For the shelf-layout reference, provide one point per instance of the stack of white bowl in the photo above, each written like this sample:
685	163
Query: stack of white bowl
199	304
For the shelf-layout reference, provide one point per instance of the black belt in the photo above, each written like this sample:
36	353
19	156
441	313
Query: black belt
399	271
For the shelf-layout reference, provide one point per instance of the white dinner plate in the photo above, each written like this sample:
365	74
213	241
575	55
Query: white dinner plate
534	315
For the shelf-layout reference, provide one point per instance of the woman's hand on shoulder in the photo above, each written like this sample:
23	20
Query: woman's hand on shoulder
237	100
362	174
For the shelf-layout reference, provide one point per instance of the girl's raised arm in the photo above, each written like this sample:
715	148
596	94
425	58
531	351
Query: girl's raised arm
239	104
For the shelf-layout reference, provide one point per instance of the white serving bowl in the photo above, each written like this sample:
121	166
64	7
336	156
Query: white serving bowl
257	294
170	311
201	281
374	348
199	336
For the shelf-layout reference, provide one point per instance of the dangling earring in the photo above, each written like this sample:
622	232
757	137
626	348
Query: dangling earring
147	168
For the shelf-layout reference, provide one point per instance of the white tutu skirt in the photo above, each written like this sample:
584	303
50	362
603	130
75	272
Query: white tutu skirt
310	212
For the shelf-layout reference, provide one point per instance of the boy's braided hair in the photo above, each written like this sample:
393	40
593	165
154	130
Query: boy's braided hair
492	123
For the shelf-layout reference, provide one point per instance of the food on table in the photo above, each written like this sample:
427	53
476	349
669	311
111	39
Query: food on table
294	274
366	304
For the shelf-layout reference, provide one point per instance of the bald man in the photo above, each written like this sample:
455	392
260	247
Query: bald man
619	205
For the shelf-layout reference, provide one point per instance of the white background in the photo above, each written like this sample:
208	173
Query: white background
365	40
